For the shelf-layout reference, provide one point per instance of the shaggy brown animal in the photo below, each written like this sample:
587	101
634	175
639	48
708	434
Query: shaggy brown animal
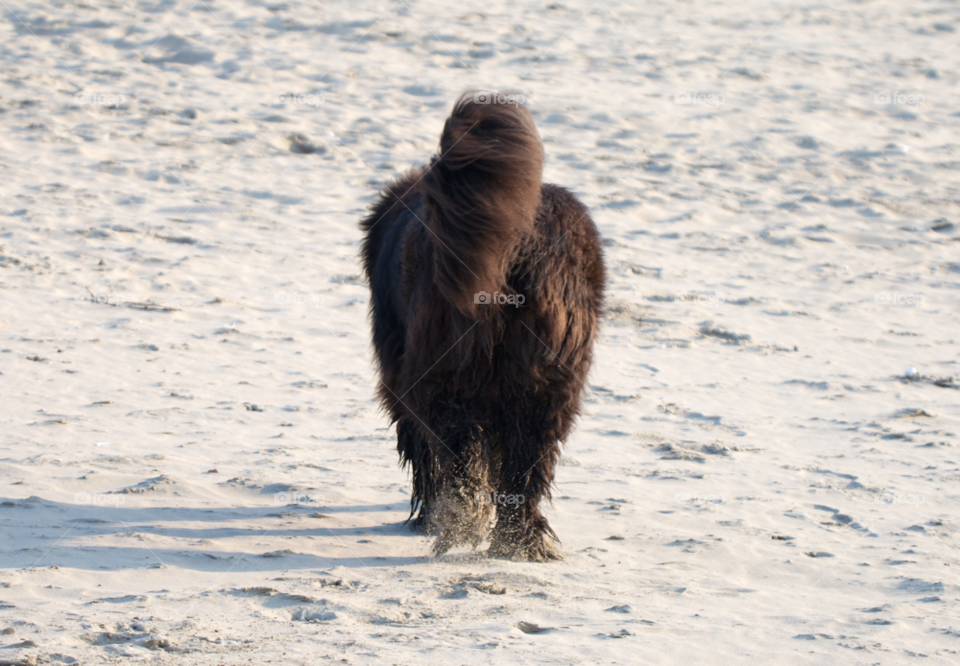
487	286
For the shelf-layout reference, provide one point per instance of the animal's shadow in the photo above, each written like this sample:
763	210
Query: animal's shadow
36	532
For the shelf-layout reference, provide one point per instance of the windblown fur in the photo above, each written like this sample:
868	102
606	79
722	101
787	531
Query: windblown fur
487	286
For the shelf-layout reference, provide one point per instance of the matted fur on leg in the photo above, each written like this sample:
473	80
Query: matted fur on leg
460	517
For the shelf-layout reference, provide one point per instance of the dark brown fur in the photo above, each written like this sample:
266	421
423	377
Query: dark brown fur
483	394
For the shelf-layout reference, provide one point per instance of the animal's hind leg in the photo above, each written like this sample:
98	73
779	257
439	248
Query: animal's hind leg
415	452
521	531
530	456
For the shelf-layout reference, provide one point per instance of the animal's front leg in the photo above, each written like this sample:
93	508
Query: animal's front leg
462	513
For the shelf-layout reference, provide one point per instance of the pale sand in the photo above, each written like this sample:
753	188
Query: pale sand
753	480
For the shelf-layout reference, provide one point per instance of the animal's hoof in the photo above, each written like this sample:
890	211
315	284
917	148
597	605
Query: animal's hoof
421	525
533	549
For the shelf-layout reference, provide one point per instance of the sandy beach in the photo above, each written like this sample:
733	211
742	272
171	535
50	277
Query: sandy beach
193	465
